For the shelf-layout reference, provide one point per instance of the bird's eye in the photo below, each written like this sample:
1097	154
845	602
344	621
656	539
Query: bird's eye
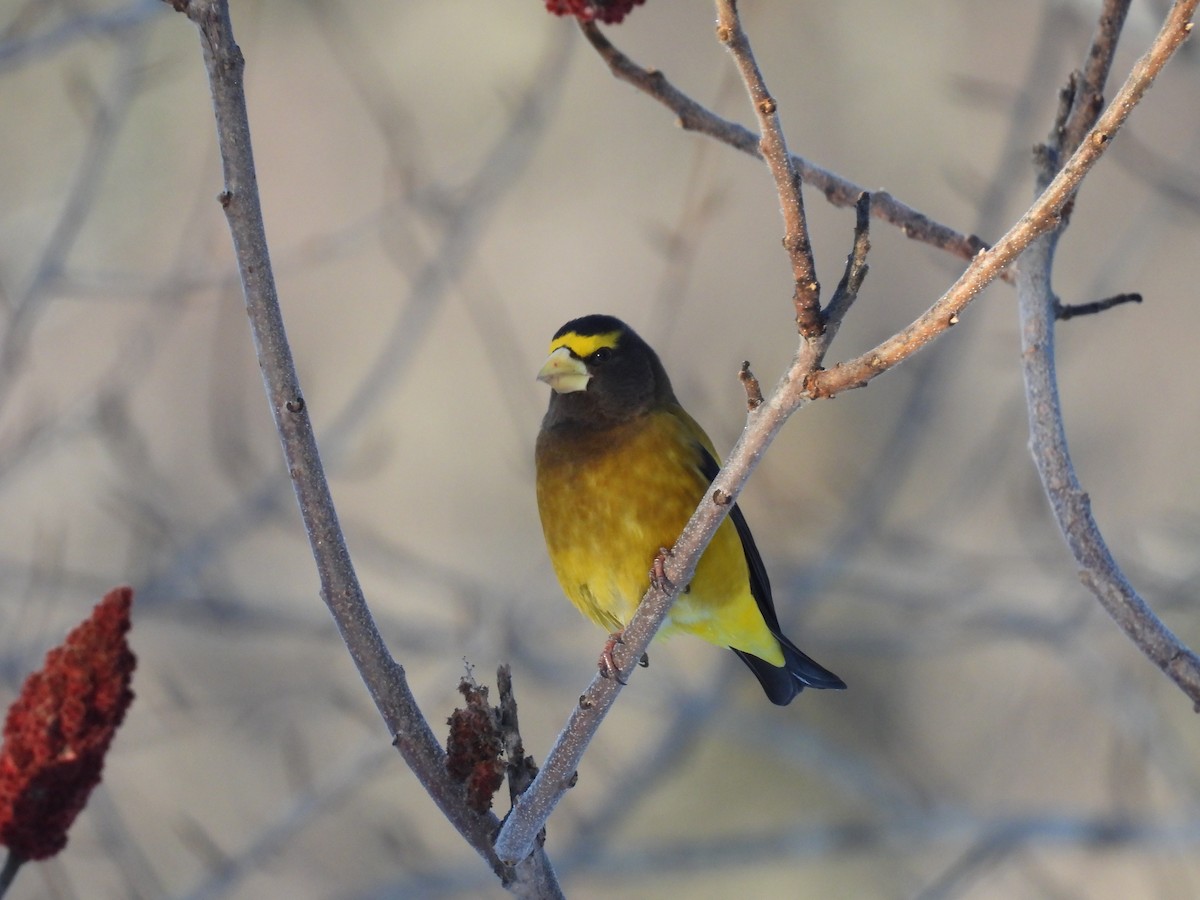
604	354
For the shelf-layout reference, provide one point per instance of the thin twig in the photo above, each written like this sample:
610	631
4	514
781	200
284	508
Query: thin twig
520	769
773	149
1042	216
754	397
1062	312
384	677
856	270
837	190
1088	97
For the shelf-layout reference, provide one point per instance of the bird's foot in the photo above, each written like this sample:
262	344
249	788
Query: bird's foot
608	665
658	571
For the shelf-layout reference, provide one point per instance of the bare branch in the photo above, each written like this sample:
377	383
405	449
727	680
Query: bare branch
754	397
800	385
774	152
384	677
856	269
1088	95
1070	503
837	190
1044	215
1039	308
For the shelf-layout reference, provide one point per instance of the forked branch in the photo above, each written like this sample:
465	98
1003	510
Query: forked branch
1040	308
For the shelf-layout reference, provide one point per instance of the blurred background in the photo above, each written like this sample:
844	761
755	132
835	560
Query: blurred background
445	183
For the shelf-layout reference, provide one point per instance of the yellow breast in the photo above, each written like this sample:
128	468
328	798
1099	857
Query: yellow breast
610	500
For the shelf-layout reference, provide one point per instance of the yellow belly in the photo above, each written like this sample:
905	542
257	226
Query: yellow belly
607	509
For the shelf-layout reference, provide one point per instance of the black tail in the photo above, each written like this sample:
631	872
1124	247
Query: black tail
782	683
798	671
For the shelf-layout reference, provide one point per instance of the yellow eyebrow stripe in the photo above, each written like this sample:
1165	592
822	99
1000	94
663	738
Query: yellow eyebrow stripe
584	345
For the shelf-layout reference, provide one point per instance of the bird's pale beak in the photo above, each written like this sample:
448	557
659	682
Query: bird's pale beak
564	373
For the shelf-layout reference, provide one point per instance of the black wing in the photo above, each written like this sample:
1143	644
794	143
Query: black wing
800	670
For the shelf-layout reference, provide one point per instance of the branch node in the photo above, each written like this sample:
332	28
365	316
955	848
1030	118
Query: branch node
813	385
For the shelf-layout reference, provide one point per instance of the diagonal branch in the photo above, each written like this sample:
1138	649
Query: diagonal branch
1044	215
674	570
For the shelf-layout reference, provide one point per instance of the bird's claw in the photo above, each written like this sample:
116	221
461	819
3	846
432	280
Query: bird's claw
658	571
608	665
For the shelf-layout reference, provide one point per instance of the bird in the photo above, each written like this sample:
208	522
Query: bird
620	468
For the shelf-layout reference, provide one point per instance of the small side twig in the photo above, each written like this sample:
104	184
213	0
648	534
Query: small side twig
856	269
1062	311
754	395
521	769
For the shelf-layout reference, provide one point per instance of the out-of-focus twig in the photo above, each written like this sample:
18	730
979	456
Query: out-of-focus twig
110	114
18	51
